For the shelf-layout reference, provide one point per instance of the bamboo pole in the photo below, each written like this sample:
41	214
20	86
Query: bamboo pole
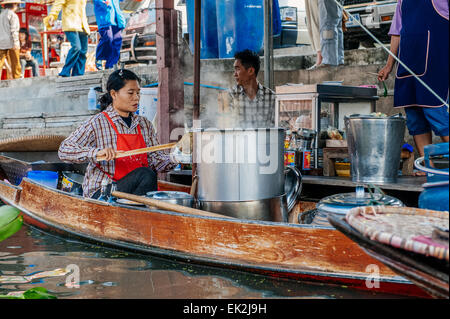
140	151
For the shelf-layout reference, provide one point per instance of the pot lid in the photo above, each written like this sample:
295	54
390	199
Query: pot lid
341	203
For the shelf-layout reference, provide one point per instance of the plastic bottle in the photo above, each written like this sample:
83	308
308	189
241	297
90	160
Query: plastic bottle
92	99
104	196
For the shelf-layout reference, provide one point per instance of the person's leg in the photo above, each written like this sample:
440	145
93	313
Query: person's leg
35	67
104	45
419	128
438	119
72	55
3	55
340	52
116	45
309	23
80	63
23	65
329	20
315	23
422	140
14	57
138	182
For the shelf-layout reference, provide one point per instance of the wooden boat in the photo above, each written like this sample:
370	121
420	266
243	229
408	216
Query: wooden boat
283	250
427	272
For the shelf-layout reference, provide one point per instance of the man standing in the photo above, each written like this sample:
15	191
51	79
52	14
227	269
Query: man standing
9	37
331	33
110	22
76	29
419	37
251	104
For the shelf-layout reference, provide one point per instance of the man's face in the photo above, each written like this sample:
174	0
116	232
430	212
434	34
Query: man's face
241	74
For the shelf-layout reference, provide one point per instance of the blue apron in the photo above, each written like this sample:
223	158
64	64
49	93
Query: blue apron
424	48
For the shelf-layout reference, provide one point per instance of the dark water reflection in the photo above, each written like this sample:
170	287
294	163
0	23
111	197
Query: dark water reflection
109	273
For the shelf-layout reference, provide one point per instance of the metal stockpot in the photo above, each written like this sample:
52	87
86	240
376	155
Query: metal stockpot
374	146
241	173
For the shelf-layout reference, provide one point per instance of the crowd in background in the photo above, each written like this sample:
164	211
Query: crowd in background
15	43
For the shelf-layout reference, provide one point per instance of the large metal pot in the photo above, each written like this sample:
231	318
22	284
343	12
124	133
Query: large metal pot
241	173
374	145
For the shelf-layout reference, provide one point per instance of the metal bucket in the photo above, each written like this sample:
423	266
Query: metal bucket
374	145
72	183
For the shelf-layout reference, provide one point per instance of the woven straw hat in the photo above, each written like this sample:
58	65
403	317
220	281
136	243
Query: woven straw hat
11	1
32	143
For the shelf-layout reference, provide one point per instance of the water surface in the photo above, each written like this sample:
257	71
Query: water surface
110	273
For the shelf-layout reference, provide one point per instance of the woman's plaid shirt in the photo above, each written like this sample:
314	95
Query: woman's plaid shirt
96	134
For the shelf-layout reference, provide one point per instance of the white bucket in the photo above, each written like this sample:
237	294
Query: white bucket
149	103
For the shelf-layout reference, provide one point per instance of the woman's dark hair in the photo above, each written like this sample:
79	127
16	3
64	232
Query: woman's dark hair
249	59
27	36
117	80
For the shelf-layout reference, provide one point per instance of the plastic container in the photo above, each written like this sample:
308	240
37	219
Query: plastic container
208	29
148	103
435	195
92	100
72	183
241	25
342	169
47	178
93	104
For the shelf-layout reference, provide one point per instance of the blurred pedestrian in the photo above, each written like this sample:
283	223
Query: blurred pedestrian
9	37
76	29
313	25
110	22
331	33
419	37
26	59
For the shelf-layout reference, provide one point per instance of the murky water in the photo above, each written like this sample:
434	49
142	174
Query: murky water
109	273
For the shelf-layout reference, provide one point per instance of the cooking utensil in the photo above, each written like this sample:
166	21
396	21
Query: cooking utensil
140	151
179	198
165	206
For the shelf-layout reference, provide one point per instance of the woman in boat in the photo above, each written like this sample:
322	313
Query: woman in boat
117	129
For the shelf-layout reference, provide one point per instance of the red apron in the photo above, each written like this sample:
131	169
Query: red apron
127	142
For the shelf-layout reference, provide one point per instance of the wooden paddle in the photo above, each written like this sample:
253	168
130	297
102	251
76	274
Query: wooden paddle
166	206
140	151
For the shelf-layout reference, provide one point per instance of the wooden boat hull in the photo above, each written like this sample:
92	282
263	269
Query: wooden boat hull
429	273
292	251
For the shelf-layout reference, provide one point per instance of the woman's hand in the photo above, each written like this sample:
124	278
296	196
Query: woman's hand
383	74
107	154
